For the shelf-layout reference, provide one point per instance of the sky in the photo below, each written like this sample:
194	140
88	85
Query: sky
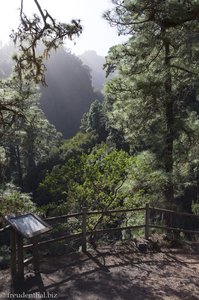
97	34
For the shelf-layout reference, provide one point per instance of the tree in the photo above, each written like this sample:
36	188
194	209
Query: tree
29	63
81	143
12	200
158	69
101	180
27	142
104	178
95	121
41	27
90	180
12	96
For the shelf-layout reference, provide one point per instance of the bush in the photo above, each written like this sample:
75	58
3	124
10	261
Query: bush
13	201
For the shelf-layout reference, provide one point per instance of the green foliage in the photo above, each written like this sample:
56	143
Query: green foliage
12	98
95	121
145	182
105	171
92	180
151	100
105	178
13	201
149	120
195	208
77	145
26	140
55	185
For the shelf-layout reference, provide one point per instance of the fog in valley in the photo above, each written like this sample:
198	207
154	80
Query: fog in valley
73	83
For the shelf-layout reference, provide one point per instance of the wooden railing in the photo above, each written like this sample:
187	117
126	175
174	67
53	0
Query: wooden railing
84	232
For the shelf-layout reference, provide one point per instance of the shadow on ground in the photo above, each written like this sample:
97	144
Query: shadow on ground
119	274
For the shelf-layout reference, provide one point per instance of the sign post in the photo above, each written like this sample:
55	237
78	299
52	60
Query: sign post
28	226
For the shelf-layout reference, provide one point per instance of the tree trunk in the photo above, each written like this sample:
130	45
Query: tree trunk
169	117
19	167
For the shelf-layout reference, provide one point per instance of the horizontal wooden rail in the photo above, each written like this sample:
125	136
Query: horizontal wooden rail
173	212
173	229
63	217
82	236
78	235
86	214
115	229
60	238
97	212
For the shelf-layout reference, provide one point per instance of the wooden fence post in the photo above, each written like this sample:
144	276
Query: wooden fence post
84	224
20	262
147	221
13	244
35	253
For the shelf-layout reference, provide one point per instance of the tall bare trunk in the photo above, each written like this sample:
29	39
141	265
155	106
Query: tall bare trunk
169	117
19	167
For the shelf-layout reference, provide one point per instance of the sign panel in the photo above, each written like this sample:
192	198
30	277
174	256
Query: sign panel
28	225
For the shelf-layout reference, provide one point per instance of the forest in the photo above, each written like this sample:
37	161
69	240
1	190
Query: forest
68	143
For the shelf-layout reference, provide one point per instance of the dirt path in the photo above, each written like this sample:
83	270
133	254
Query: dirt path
113	273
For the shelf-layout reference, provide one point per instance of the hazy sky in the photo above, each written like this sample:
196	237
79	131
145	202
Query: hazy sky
97	34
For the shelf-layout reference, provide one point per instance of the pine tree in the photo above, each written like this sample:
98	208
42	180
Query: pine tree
158	69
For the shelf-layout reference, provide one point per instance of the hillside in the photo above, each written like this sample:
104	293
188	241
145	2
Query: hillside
95	62
70	89
69	92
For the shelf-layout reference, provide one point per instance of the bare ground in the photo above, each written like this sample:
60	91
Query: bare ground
112	273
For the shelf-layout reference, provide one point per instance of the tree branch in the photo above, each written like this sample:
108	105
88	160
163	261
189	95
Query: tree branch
182	69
